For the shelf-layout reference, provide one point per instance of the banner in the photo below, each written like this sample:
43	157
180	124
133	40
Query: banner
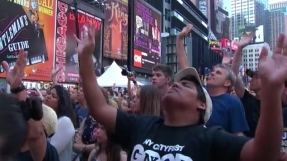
116	29
147	43
66	56
28	25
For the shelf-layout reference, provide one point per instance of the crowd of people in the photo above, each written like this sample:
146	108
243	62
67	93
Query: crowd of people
175	118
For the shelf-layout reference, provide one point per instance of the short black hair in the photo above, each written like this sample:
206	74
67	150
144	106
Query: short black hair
167	71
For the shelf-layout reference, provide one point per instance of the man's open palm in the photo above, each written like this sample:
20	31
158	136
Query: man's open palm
86	42
14	76
273	70
245	40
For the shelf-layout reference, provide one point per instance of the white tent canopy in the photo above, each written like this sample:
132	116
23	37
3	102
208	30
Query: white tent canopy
113	76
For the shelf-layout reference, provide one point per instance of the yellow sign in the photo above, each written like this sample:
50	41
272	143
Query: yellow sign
214	43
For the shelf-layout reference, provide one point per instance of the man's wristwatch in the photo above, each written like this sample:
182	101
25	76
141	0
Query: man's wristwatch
135	82
18	89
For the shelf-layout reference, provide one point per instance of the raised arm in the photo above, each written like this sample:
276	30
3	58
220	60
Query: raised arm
36	137
98	108
239	86
266	144
180	50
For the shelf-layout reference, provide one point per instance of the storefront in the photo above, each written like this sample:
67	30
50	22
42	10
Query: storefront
45	85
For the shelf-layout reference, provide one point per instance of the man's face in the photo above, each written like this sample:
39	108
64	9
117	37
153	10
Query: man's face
255	83
34	4
218	78
184	93
159	79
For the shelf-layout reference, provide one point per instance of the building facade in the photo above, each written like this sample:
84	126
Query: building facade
278	15
247	15
250	55
278	5
219	20
176	15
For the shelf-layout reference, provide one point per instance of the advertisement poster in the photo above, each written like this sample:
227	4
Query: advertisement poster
116	29
147	42
66	56
28	25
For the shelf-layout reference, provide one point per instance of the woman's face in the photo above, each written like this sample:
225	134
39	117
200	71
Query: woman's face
52	99
73	94
80	94
124	106
136	102
102	135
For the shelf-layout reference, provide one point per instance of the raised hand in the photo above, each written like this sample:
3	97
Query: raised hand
245	40
226	58
55	72
273	70
185	31
86	43
14	77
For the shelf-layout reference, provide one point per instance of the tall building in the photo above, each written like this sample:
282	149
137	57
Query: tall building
250	55
219	20
247	15
278	21
278	5
176	15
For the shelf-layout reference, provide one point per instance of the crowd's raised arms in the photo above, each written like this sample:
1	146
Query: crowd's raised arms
173	118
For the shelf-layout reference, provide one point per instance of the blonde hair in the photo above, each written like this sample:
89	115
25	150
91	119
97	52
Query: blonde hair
113	103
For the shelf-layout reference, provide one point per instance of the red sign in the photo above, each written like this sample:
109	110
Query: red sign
137	58
226	43
234	45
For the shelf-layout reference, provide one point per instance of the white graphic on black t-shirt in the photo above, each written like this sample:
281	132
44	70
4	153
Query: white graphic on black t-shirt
284	141
151	153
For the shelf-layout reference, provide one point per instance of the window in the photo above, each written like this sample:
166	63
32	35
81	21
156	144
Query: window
167	29
167	1
167	14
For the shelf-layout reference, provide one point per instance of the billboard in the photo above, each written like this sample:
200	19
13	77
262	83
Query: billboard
202	5
215	45
66	56
259	33
147	39
116	29
30	25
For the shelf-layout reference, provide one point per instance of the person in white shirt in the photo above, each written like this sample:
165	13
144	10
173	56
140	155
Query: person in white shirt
58	98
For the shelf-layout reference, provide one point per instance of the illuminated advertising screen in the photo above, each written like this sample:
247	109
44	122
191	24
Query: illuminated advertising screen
147	39
28	25
215	45
66	56
116	29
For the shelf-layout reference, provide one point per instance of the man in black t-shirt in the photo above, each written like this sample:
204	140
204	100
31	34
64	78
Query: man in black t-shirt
181	135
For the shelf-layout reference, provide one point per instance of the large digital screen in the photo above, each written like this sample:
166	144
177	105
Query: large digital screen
116	29
28	25
66	56
259	34
147	39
